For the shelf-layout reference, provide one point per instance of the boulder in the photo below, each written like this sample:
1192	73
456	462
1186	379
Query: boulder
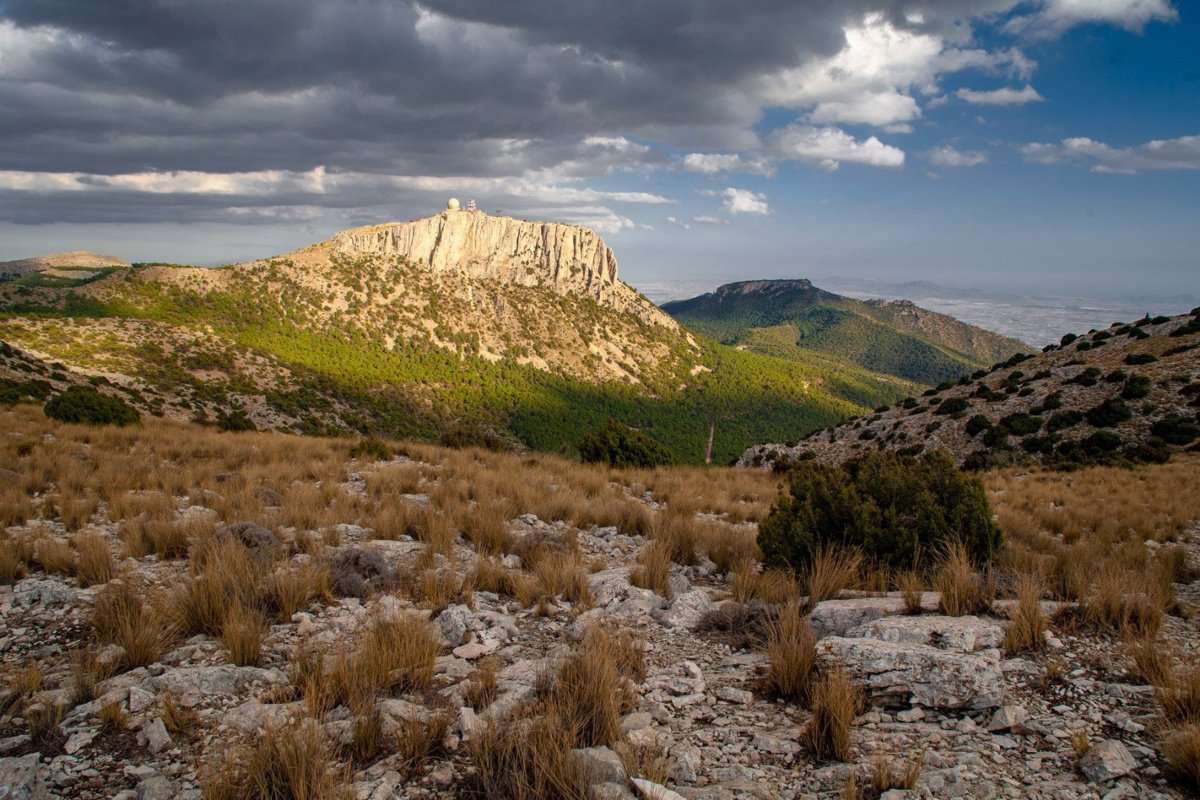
686	610
608	585
454	623
156	736
43	591
898	673
223	679
961	634
837	617
649	790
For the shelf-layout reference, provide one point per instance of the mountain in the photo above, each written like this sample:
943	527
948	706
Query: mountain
785	318
60	269
1125	394
462	325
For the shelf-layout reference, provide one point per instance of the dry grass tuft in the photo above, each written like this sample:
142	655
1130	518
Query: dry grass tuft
481	686
591	691
12	567
486	527
394	653
1027	630
563	575
178	719
242	634
86	673
292	762
418	741
1181	749
774	586
225	574
142	628
54	555
1180	697
1152	661
1121	602
22	685
654	568
95	562
792	655
887	775
911	587
835	702
532	760
292	589
964	591
113	717
644	761
832	570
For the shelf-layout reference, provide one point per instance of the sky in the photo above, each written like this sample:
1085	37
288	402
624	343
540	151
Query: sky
1047	146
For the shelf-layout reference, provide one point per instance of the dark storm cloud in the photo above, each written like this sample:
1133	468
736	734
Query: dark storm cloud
439	88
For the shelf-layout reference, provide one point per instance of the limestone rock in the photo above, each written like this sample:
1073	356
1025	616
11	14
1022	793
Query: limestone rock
962	634
838	617
649	790
600	764
21	779
686	610
1106	760
896	673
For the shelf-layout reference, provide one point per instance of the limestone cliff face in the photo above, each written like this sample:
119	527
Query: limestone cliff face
566	258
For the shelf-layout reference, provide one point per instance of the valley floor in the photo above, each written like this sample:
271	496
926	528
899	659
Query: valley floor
175	593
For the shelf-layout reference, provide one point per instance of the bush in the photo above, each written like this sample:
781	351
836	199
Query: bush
1109	413
1176	430
85	404
1137	387
896	510
1133	359
234	420
621	446
952	405
1021	424
371	448
977	424
1061	420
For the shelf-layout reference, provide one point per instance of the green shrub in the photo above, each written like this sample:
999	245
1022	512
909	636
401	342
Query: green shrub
1021	424
1109	413
899	511
1133	359
977	424
1176	430
85	404
1061	420
952	405
1051	402
234	419
622	446
15	391
372	448
1136	387
1086	378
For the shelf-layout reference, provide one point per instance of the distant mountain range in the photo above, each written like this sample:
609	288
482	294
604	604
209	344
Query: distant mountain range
471	327
793	318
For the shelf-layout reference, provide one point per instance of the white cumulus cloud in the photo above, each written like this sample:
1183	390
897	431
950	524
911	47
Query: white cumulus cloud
1182	153
1006	96
713	163
950	156
744	201
1052	17
828	147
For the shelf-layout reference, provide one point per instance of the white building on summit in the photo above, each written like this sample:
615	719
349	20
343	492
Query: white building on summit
452	204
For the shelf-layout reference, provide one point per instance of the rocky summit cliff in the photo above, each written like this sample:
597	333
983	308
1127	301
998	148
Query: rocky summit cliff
569	259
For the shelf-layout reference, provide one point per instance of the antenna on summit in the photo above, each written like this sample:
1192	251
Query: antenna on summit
471	205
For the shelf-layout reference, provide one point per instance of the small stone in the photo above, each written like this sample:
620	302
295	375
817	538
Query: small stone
911	714
139	699
731	694
600	764
1008	718
156	787
20	779
649	790
157	738
635	721
1106	760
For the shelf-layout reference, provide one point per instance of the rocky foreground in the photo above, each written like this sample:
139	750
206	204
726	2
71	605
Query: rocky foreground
944	700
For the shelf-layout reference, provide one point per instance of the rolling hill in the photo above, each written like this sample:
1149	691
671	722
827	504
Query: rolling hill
462	325
1126	394
791	318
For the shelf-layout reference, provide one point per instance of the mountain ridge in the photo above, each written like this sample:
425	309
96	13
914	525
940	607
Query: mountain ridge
786	316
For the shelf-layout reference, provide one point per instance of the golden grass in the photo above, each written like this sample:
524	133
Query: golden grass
178	719
831	571
531	762
165	538
486	527
911	586
113	717
963	590
481	685
224	574
54	555
835	702
242	633
1027	630
1181	750
12	566
1179	695
290	589
22	685
1121	601
390	653
791	655
126	615
94	561
654	568
775	586
562	574
418	741
591	691
886	774
86	673
292	761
